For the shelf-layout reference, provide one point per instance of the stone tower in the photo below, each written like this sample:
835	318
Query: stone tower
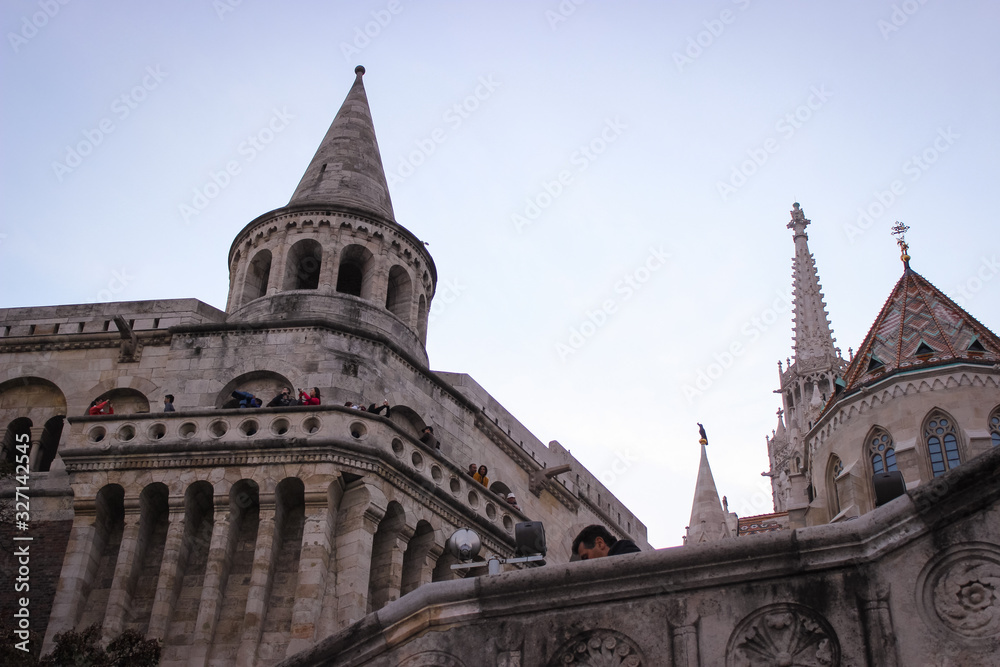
241	536
809	380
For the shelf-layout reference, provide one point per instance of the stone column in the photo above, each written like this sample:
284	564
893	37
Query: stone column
357	522
390	575
126	571
264	556
684	634
329	269
216	572
880	639
279	254
175	553
83	553
35	451
239	280
314	565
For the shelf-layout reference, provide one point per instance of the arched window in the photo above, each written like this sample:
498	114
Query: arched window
397	295
50	442
355	265
995	427
302	265
18	432
258	275
941	439
881	451
422	319
834	469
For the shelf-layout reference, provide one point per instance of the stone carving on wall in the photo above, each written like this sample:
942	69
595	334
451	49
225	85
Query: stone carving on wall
783	635
432	659
598	648
959	591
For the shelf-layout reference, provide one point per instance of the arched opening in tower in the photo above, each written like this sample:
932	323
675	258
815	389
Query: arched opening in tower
258	276
303	264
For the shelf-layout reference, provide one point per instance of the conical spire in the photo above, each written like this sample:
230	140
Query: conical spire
347	168
708	521
812	334
919	326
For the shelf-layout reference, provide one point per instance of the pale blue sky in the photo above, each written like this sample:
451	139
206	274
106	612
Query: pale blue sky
666	135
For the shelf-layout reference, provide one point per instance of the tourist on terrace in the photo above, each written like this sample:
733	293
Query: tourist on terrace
472	470
312	398
377	409
283	399
246	400
596	541
481	477
101	407
168	403
428	438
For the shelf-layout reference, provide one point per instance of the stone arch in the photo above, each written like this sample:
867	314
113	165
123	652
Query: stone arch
355	275
599	647
154	518
49	446
783	634
26	394
192	560
422	319
942	442
244	522
834	467
257	278
408	419
125	400
398	299
15	434
500	489
302	265
108	529
420	558
388	546
263	384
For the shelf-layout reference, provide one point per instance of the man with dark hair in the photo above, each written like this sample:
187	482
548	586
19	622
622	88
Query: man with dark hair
596	541
168	403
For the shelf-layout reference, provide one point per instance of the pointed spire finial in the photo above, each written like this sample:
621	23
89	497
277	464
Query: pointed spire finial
359	70
899	231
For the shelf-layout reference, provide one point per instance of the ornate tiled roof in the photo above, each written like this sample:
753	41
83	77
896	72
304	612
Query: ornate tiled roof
762	523
347	168
919	326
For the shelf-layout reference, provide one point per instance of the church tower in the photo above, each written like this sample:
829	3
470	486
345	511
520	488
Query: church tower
809	380
336	252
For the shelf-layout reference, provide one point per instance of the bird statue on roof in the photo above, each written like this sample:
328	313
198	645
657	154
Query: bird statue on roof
704	437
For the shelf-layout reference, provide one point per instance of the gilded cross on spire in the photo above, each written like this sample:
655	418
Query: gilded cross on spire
899	231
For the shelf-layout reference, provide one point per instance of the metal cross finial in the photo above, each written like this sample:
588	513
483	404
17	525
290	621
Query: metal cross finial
899	231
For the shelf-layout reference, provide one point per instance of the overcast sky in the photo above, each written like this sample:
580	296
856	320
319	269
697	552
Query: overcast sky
604	186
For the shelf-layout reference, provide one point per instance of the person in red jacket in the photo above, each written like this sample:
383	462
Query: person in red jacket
312	398
101	407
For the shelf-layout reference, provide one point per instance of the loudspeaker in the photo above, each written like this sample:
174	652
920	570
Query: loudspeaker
529	538
888	486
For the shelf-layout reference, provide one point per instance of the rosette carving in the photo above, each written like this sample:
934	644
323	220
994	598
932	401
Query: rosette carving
959	591
783	635
598	648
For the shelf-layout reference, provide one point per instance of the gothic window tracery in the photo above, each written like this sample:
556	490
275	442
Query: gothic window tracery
995	426
941	439
881	451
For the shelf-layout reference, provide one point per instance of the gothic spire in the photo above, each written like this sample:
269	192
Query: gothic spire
708	521
347	168
812	334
